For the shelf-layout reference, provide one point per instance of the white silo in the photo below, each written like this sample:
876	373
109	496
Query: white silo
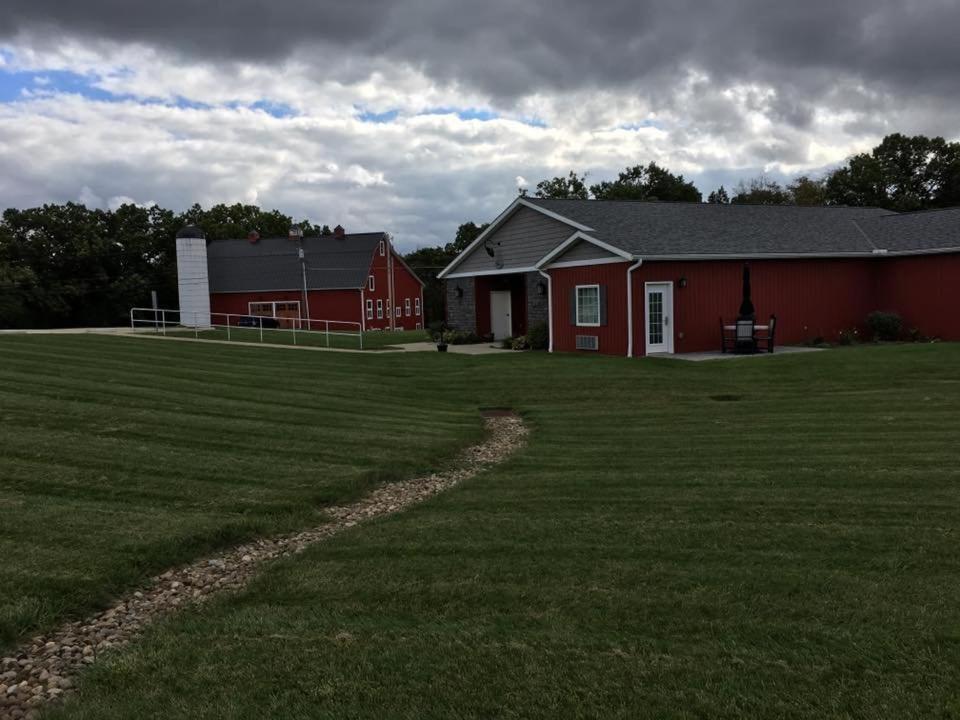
192	280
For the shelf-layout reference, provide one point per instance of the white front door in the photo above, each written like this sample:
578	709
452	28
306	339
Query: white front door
500	322
659	314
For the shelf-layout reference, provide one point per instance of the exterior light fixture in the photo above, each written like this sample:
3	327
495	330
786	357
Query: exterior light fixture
459	291
541	288
683	281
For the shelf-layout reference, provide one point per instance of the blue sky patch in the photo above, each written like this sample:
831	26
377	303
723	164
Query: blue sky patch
645	123
18	84
463	113
372	117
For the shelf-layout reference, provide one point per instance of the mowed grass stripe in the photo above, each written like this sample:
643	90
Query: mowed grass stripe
135	456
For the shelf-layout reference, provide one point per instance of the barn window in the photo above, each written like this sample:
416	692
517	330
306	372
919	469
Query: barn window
371	284
383	248
369	309
396	311
588	305
406	307
379	309
417	306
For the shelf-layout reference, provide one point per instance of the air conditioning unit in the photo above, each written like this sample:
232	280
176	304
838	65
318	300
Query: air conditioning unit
587	342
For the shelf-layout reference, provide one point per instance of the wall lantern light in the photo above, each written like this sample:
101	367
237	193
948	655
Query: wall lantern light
541	288
683	282
459	291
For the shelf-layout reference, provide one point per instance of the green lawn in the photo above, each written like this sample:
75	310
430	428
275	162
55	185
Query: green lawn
372	340
754	538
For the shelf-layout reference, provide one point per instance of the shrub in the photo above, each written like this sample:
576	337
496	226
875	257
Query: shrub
886	326
539	337
460	337
520	343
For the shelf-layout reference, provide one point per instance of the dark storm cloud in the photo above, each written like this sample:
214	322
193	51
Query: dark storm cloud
509	49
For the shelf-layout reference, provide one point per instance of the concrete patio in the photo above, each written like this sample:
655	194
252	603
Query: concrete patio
717	355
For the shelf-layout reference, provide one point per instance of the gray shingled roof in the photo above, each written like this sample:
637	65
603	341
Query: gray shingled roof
652	229
273	263
915	232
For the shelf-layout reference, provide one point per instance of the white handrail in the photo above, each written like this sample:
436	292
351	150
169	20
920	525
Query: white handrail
158	318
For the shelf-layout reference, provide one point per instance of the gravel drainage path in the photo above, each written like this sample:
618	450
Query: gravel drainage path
43	670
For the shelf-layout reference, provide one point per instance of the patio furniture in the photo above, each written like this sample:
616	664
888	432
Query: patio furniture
765	337
746	338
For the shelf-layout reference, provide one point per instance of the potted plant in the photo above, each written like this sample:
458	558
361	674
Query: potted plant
441	345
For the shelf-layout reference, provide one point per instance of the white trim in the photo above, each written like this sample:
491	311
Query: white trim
406	307
416	306
511	271
573	239
630	270
497	222
556	216
379	308
549	309
371	283
369	309
805	256
383	248
576	309
585	263
403	262
668	338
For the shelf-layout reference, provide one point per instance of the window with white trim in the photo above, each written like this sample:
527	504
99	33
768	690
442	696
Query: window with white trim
416	306
588	305
371	284
383	248
369	309
396	312
406	307
379	309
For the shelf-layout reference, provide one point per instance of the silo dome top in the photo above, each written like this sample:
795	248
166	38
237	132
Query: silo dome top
191	231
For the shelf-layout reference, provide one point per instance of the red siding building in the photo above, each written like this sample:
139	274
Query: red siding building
637	278
346	281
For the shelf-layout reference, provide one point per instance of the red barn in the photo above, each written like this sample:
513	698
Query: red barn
636	278
341	278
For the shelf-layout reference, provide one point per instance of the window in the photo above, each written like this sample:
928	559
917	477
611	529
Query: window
406	307
274	309
369	309
379	309
396	311
371	284
383	248
417	307
588	305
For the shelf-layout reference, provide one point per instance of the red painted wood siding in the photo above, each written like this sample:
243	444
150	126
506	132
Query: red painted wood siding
811	298
324	304
925	291
405	286
518	301
612	337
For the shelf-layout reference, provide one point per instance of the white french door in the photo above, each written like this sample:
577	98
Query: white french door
658	311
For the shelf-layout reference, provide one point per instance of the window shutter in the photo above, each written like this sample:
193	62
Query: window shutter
603	304
573	306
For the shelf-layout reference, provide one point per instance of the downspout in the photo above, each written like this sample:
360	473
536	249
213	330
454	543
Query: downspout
630	270
549	308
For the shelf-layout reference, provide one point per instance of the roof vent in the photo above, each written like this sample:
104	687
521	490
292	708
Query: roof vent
253	236
296	233
879	251
339	232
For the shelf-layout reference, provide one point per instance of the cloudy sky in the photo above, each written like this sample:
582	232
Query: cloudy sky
415	115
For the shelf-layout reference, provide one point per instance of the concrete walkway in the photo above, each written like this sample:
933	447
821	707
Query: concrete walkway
477	349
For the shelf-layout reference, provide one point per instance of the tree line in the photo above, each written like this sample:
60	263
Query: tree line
68	265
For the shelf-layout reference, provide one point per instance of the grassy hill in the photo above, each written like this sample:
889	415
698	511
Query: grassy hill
753	538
